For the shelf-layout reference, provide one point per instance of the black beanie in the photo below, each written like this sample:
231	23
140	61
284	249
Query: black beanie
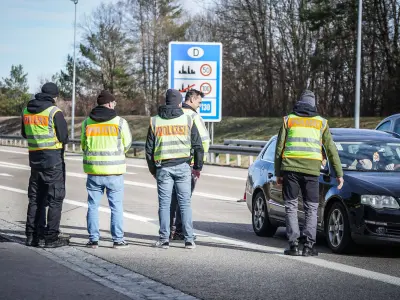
173	97
50	89
105	97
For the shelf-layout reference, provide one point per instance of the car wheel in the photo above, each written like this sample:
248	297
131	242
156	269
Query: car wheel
261	223
337	229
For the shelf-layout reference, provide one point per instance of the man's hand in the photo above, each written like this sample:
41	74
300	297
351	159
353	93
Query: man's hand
196	173
340	182
279	180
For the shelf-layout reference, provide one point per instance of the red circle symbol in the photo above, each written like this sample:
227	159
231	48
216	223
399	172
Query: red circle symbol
205	88
205	70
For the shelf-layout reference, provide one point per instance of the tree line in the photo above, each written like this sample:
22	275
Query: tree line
273	50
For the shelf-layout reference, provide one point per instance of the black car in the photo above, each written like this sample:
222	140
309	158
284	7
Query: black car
391	124
365	210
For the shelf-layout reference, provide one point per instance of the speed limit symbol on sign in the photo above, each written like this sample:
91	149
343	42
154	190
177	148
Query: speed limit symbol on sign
205	88
205	70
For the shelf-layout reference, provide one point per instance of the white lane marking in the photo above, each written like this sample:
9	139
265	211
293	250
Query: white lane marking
130	173
12	152
143	167
82	204
128	182
275	251
136	166
6	175
223	176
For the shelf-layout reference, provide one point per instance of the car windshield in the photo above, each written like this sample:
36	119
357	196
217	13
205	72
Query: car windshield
369	156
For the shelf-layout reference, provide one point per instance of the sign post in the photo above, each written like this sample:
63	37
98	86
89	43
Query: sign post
198	66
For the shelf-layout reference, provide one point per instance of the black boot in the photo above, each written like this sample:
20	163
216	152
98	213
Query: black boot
293	250
307	251
31	241
56	243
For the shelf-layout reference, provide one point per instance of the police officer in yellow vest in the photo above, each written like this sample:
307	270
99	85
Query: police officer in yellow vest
45	128
171	138
193	99
105	139
298	159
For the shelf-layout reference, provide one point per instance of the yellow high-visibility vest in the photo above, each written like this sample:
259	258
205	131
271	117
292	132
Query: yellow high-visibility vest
103	146
40	130
172	137
304	137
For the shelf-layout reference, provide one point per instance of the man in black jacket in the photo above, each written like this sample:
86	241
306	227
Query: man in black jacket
45	128
171	138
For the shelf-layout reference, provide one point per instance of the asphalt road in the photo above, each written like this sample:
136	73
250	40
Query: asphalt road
230	262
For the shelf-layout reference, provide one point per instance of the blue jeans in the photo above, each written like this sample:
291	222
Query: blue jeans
114	185
167	177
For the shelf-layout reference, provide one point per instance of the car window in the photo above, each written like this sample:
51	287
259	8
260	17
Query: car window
397	126
384	127
369	156
269	154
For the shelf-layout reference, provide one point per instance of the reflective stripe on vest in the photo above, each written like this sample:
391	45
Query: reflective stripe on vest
104	154
40	130
172	137
304	137
201	127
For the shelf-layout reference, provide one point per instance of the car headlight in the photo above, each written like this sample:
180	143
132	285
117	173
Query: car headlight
380	201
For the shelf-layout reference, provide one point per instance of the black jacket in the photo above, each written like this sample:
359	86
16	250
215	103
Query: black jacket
304	110
44	159
102	114
184	105
173	112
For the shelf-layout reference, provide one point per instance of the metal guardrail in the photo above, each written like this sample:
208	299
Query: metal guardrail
249	143
214	155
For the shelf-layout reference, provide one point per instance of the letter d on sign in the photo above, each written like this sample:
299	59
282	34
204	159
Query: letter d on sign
195	52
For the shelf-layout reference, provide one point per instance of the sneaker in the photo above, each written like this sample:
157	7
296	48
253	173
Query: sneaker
57	243
92	244
190	245
120	245
293	250
161	244
307	251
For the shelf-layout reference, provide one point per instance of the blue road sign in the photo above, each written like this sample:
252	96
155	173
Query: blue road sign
198	66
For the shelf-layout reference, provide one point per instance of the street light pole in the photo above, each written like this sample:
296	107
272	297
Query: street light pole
73	80
358	74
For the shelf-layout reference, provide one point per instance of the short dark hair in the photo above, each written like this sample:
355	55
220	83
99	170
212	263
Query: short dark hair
193	92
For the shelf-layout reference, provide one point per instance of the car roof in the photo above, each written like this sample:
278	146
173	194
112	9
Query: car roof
359	135
395	116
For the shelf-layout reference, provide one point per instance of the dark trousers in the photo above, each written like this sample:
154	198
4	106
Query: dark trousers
293	183
175	211
46	188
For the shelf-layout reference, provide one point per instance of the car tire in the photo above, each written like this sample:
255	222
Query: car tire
337	229
261	224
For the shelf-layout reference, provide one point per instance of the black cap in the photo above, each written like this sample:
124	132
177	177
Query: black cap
105	97
173	97
50	89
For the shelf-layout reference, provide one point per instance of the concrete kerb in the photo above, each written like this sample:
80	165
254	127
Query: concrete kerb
131	284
